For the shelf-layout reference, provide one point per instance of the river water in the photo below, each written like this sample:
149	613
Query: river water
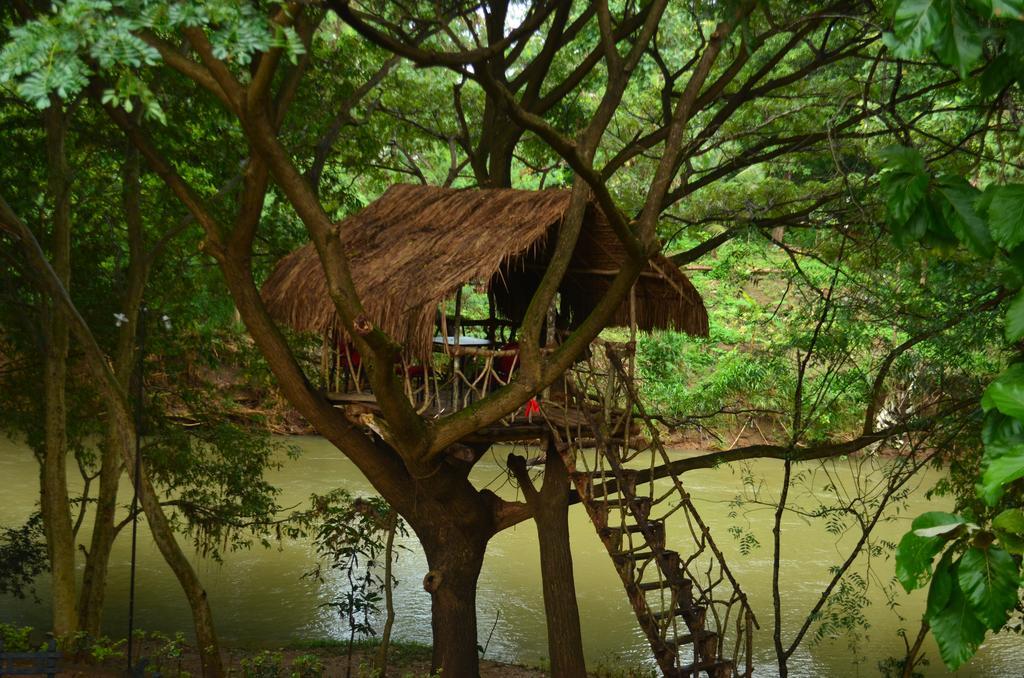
260	597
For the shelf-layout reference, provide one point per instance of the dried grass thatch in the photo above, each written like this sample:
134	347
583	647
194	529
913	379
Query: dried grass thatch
415	245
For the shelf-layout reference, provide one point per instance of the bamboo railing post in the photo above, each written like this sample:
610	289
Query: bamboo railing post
456	359
491	326
325	364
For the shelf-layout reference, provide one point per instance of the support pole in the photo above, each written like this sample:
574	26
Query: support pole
139	423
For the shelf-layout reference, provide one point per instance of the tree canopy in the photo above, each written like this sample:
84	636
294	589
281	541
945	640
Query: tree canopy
840	179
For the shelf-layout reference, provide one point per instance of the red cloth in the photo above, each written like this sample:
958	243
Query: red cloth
532	407
412	371
505	365
348	352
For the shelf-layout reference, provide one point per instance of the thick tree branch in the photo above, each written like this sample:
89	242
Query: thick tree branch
784	452
362	25
669	162
182	64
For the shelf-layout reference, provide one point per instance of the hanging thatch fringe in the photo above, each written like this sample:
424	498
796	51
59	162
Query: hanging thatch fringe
414	246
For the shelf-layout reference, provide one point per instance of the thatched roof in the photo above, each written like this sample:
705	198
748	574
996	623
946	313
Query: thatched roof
415	245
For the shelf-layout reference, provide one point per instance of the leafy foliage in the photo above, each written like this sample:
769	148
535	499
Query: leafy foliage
60	52
22	557
354	535
955	31
266	664
917	548
976	583
16	638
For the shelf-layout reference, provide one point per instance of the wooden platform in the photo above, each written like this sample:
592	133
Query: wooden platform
520	430
347	398
554	414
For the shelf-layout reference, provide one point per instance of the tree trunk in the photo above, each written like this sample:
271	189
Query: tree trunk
781	654
500	149
54	502
120	413
455	559
551	515
125	361
94	582
912	659
167	543
389	596
550	507
94	579
199	604
53	499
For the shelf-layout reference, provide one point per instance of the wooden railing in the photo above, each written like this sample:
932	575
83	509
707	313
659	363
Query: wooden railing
456	376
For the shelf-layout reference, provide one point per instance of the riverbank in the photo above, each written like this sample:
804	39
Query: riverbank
327	658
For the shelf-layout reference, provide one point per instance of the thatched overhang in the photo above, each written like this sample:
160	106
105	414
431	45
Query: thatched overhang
413	247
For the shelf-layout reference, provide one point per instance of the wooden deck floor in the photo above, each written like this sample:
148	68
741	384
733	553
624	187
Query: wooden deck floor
554	414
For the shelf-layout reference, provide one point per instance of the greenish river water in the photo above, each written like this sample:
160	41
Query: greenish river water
260	598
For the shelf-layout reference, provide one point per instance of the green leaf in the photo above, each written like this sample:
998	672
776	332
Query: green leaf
1015	272
1006	393
1009	528
904	184
914	559
962	216
999	73
1006	215
1002	432
915	552
958	41
904	195
916	25
957	630
936	519
1014	33
1007	9
1011	520
1010	542
989	578
945	26
904	158
926	223
1000	471
941	587
938	530
1003	437
1015	318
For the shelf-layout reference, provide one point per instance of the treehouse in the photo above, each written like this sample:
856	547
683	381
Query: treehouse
449	273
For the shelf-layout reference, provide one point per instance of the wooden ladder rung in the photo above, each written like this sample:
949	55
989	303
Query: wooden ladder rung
701	636
663	584
625	502
642	556
687	613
